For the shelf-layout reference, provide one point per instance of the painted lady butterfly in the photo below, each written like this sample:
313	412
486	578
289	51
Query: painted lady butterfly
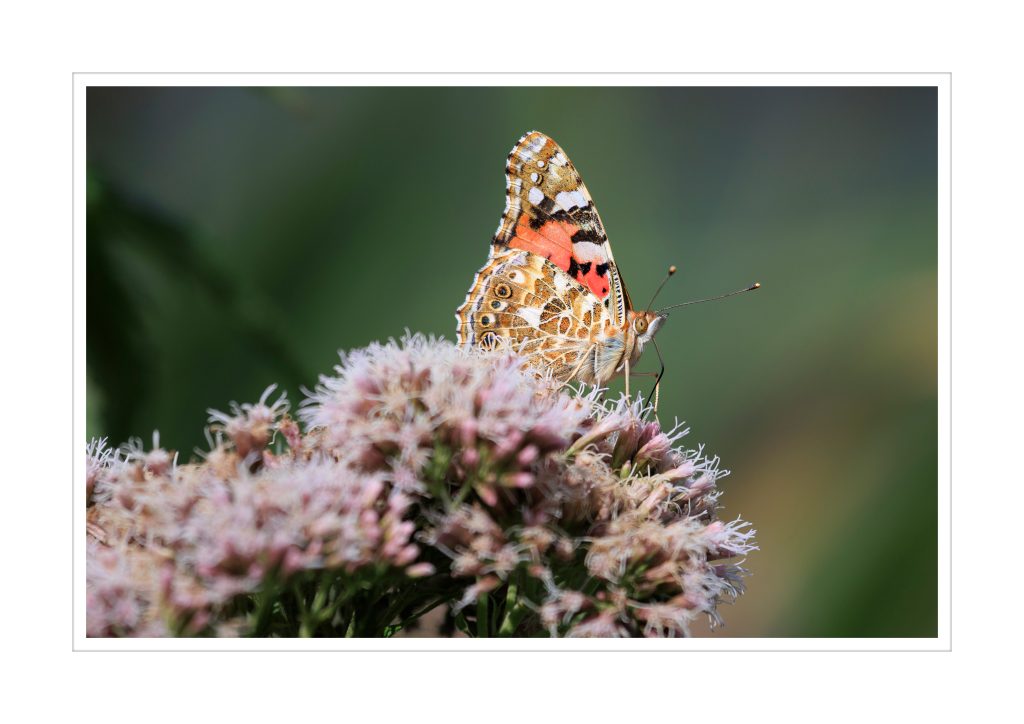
550	287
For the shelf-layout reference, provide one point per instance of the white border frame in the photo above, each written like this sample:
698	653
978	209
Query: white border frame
941	81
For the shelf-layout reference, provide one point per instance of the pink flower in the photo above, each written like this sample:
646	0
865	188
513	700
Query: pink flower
416	471
250	426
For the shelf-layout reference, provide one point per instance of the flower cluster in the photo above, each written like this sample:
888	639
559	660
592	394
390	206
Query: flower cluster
429	410
417	475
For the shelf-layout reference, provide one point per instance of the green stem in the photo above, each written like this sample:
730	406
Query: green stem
328	613
321	594
481	616
461	495
511	599
300	601
410	598
266	606
420	613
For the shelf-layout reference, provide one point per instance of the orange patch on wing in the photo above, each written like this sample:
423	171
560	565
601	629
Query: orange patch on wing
598	284
553	240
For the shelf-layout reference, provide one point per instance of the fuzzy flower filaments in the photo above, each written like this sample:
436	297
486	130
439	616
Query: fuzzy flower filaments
417	476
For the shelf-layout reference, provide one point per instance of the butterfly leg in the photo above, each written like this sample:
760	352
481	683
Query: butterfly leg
627	378
572	375
656	392
661	373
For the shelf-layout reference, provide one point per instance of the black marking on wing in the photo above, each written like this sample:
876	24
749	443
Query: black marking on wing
588	234
550	213
574	268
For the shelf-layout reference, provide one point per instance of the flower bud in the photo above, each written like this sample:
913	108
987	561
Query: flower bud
528	455
419	570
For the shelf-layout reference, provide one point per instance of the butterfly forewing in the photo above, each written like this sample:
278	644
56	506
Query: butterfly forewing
549	212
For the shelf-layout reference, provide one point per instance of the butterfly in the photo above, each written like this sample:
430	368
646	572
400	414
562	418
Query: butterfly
550	288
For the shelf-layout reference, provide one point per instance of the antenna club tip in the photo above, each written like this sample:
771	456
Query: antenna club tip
672	270
756	285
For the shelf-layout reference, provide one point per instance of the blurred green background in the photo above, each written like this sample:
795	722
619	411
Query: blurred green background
238	237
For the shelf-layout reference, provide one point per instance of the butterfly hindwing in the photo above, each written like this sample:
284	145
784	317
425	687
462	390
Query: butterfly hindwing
549	212
522	300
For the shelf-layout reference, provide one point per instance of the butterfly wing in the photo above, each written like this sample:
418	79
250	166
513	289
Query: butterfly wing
549	212
522	300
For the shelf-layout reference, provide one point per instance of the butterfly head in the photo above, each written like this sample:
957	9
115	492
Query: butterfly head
645	325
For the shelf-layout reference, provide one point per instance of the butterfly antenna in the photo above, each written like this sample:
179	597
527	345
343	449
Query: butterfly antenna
671	271
751	288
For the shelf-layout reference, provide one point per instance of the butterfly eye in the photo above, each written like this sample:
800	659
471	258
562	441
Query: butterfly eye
640	325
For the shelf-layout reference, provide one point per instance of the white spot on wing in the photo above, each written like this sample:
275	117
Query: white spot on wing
531	148
535	196
530	315
585	251
570	200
